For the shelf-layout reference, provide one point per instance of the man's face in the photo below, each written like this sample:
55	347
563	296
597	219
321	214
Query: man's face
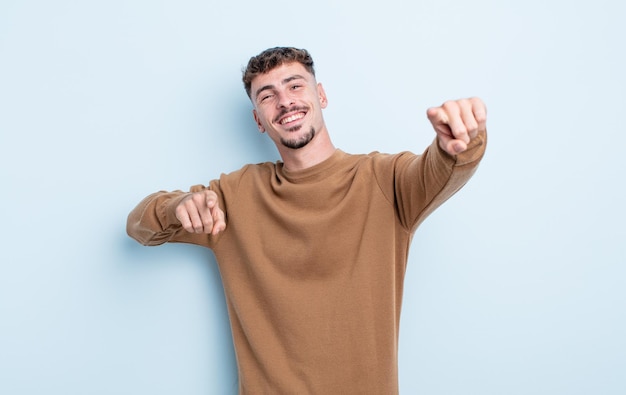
288	105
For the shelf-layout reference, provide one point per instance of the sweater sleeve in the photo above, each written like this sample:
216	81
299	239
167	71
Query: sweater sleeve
421	183
153	221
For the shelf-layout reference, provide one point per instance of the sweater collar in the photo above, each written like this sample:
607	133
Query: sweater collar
313	173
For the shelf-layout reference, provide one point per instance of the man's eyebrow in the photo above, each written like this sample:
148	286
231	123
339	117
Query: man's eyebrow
263	88
285	81
293	77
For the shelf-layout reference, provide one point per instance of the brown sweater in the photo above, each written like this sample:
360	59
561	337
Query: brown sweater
313	262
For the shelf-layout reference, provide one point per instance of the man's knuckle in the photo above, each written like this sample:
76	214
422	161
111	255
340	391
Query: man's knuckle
448	104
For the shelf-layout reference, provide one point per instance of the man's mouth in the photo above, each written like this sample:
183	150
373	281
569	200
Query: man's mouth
291	116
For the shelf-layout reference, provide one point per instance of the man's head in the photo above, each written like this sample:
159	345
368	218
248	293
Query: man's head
272	58
287	100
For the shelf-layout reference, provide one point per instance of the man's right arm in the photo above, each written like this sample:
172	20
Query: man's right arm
177	217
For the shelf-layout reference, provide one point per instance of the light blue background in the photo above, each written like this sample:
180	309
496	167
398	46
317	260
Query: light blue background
515	286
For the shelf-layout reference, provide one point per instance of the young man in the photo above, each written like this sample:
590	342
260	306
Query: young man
312	249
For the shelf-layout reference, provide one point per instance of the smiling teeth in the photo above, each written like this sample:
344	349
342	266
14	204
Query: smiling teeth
292	118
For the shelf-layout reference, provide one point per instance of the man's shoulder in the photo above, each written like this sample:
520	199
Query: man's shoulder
377	156
260	167
251	170
384	158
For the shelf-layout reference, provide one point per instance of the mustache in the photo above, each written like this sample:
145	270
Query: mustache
286	111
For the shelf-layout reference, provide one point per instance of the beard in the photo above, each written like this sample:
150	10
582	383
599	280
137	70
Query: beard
299	142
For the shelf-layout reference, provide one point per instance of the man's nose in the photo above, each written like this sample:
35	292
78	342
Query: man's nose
285	100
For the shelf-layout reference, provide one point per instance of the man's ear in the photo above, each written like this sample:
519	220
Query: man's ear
322	95
258	121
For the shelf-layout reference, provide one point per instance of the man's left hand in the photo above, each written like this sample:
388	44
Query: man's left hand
456	122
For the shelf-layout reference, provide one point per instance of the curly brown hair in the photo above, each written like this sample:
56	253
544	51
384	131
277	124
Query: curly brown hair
272	58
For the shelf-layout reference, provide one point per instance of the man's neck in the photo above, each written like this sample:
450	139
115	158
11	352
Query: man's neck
317	151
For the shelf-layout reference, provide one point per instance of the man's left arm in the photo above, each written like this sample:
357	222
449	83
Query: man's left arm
461	128
426	181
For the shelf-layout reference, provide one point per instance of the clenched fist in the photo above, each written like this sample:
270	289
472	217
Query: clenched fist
456	122
200	212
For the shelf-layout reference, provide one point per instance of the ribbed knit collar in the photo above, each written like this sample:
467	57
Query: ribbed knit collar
314	173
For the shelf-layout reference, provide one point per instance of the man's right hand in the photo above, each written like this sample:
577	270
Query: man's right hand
200	212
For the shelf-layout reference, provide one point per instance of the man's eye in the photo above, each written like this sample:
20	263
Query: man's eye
266	97
296	86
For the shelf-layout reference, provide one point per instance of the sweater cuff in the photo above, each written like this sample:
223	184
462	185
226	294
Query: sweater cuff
168	211
474	152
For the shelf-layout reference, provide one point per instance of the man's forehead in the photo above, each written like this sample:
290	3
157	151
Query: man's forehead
280	74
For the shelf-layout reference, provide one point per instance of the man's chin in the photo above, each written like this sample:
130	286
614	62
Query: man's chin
299	142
